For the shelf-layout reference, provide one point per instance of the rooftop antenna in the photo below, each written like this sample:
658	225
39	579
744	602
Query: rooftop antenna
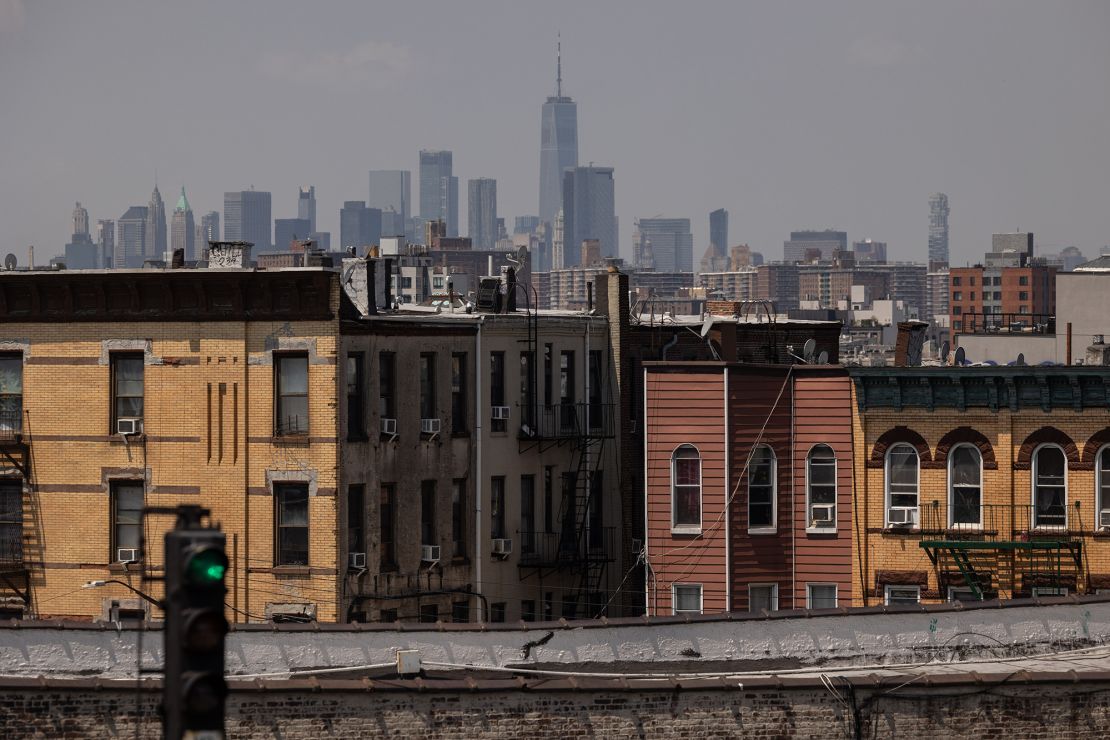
559	64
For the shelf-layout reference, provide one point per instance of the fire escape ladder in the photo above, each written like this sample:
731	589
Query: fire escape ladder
963	562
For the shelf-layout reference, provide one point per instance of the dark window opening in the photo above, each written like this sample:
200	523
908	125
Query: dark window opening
356	501
387	514
497	508
458	517
291	501
292	395
127	387
497	387
356	397
127	507
459	422
428	513
387	401
527	513
428	386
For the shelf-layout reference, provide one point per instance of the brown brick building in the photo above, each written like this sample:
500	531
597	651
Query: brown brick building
989	298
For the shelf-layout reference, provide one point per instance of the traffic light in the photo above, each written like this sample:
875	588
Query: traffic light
194	689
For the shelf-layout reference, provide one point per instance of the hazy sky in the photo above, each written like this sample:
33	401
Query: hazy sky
789	114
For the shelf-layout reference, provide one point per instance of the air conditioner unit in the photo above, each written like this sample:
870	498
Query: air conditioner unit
1104	518
502	546
429	426
127	555
128	425
500	412
902	515
429	553
356	560
821	515
389	426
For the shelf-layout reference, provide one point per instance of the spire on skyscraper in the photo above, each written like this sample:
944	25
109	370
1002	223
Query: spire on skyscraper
559	64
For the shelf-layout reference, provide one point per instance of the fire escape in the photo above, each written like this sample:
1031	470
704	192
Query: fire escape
15	456
1016	547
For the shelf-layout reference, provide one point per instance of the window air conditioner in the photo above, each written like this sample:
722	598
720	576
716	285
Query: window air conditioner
500	412
356	560
389	426
821	515
902	515
128	425
502	546
429	426
429	553
127	555
1104	518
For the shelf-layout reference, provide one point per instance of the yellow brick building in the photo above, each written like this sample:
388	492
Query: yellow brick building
984	482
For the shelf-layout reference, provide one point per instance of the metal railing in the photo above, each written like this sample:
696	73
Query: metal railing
1004	522
566	420
567	548
11	543
11	425
1006	323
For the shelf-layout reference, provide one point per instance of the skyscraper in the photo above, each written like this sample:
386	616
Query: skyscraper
391	193
105	241
588	212
247	218
439	189
131	238
827	242
183	230
288	229
306	209
558	144
938	231
672	243
155	245
80	253
481	205
359	226
80	220
716	257
209	229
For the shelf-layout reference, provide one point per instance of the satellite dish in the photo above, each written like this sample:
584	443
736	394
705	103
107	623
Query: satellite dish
10	262
945	348
1021	359
961	356
522	254
823	358
808	349
706	326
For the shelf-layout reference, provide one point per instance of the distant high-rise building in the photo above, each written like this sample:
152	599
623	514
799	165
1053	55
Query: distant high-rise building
155	245
286	230
827	242
558	144
247	218
80	220
716	256
482	212
870	251
588	212
526	224
391	193
183	230
359	226
105	241
1019	243
672	243
938	231
210	229
306	209
439	189
131	238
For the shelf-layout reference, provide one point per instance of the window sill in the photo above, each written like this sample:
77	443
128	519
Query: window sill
358	438
291	570
127	438
763	530
686	530
899	529
125	568
292	440
820	530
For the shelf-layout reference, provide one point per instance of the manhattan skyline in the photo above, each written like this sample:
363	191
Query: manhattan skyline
791	118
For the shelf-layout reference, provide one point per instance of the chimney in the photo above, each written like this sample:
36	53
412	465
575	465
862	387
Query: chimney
178	259
229	254
727	338
1098	353
371	286
388	275
508	275
908	345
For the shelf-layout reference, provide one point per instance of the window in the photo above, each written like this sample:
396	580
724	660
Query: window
971	281
965	475
595	408
127	508
957	296
1050	487
11	522
292	395
821	488
548	606
820	596
1023	295
957	311
1102	481
387	615
438	282
356	397
11	394
527	513
460	612
458	517
497	387
429	613
568	530
763	597
569	418
957	325
1023	280
1023	309
686	598
497	612
428	513
956	280
962	594
291	500
387	401
903	594
458	393
528	610
527	390
595	521
428	386
127	387
356	503
549	499
547	374
387	511
686	488
1042	591
497	507
761	489
901	485
997	296
972	298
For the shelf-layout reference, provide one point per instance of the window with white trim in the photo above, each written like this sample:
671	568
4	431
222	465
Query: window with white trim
1050	487
962	594
820	596
965	487
686	598
821	488
686	488
902	594
1039	591
1102	482
902	475
763	597
761	489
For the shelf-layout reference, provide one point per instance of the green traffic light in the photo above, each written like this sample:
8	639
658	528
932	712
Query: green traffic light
206	567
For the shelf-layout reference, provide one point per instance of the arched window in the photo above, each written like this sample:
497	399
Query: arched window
761	489
965	486
686	488
1102	481
1050	487
821	488
902	466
